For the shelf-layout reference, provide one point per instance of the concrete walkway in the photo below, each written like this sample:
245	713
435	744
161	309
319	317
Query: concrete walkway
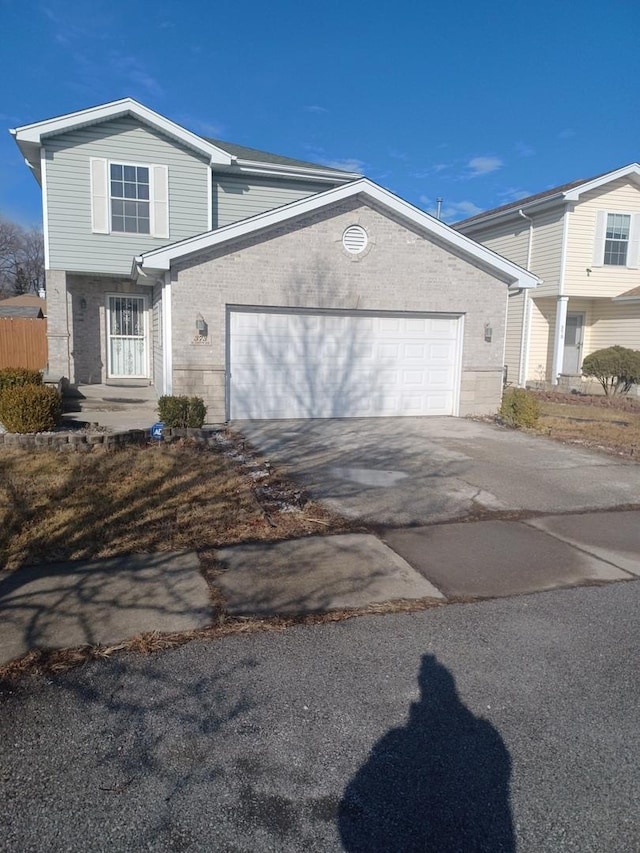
107	601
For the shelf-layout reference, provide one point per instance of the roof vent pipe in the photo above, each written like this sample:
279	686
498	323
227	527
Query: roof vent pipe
438	207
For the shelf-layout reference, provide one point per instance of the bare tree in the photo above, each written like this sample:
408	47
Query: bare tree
21	258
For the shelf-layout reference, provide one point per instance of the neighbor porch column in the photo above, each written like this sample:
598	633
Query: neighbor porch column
558	342
58	324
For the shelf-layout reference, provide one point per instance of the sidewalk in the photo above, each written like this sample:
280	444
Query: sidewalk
109	601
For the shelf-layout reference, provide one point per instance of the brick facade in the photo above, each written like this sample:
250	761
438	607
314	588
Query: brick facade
303	265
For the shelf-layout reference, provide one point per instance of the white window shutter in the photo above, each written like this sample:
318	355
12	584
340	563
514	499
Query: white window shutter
633	252
601	233
160	201
99	196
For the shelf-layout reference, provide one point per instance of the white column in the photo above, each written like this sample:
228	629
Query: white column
167	337
558	343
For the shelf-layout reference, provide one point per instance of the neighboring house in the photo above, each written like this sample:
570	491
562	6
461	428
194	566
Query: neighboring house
268	286
24	305
582	240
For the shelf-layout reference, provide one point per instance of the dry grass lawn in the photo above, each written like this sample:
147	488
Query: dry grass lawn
608	424
56	507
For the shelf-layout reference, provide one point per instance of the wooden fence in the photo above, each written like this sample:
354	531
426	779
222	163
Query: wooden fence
23	342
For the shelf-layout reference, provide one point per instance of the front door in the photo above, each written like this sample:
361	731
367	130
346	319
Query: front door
572	361
127	337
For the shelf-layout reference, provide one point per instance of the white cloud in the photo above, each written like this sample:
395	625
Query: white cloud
315	108
483	166
349	164
452	211
567	133
512	194
524	150
200	126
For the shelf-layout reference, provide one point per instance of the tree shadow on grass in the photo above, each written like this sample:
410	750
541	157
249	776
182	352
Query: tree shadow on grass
440	784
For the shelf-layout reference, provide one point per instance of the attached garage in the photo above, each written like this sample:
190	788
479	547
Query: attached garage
348	303
341	364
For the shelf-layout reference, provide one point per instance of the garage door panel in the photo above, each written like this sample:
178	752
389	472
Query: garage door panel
298	365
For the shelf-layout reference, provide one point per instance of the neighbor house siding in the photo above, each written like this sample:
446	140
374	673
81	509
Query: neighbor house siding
236	197
302	264
543	318
621	196
513	342
613	323
73	246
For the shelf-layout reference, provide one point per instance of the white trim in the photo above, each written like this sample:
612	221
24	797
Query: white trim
45	208
210	199
160	259
558	341
632	170
34	133
167	339
147	347
457	391
526	339
311	173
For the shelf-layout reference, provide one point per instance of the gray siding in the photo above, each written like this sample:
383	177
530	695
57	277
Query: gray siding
236	198
72	245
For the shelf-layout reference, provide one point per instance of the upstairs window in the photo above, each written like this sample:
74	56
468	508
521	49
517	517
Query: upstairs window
129	199
617	239
616	242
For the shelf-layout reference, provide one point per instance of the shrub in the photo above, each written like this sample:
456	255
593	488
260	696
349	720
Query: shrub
182	411
615	368
30	408
519	408
10	377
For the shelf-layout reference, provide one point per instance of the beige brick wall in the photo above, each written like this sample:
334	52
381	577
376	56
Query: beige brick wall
304	265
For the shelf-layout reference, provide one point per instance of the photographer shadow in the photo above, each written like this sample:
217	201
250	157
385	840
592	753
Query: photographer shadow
440	783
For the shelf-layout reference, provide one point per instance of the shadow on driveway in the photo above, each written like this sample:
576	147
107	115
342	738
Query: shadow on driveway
440	783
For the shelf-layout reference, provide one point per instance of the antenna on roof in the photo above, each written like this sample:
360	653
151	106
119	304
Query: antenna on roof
438	207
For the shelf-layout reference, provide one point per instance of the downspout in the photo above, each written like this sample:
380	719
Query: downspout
526	310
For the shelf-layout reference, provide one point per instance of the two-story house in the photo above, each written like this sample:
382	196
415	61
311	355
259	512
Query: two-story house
582	240
268	286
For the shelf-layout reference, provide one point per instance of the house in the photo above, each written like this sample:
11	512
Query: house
582	240
25	305
271	287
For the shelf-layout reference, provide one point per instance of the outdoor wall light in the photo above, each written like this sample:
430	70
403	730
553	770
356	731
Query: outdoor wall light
201	326
488	332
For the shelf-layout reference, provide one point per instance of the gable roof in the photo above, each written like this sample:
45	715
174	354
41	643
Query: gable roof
161	259
222	155
565	192
24	305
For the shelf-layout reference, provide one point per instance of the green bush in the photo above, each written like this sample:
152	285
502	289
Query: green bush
519	408
182	411
30	408
615	368
10	377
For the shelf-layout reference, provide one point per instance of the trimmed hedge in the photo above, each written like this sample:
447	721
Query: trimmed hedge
10	377
519	408
30	408
182	411
616	368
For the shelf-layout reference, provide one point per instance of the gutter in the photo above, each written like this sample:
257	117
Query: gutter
526	311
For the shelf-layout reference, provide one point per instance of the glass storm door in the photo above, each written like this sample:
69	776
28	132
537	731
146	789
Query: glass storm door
127	337
572	361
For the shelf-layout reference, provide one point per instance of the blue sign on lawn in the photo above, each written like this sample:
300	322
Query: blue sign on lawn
156	431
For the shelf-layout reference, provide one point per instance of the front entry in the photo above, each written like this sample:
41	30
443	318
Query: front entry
572	361
127	351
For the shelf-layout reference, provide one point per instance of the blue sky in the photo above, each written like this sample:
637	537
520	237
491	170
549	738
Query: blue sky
477	103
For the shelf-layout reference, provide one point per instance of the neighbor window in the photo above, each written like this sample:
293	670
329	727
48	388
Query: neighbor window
616	242
129	198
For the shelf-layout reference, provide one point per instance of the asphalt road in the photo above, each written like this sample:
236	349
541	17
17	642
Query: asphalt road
498	726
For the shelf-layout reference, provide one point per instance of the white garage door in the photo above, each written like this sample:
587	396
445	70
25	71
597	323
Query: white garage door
285	364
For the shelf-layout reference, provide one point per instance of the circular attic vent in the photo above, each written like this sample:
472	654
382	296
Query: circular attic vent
355	239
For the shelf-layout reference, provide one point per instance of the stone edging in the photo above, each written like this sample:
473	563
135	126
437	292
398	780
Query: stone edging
84	442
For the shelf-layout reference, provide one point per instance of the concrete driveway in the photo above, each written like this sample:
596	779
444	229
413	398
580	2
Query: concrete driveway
412	471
